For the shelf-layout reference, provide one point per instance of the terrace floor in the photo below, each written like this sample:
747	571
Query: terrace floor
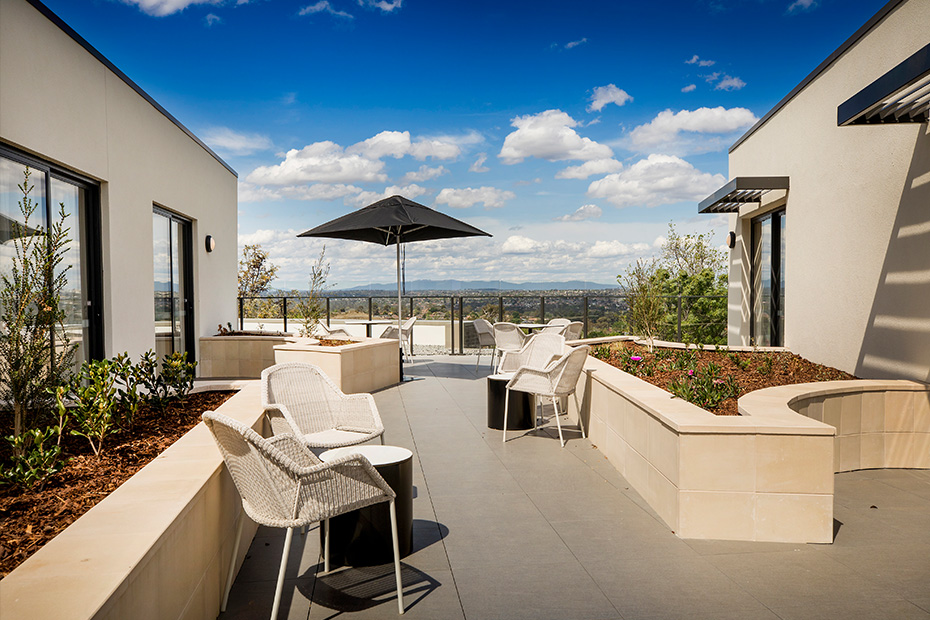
531	530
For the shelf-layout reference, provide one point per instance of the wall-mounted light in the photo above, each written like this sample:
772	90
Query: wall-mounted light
731	239
209	243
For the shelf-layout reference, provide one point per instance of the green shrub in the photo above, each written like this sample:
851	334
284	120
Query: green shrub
35	458
93	396
704	387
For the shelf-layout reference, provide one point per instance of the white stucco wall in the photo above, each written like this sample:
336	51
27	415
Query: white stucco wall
61	104
858	217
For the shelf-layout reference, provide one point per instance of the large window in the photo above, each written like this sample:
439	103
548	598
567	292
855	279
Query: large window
171	238
52	187
768	279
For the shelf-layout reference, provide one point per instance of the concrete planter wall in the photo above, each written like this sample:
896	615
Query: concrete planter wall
156	548
358	367
238	356
766	475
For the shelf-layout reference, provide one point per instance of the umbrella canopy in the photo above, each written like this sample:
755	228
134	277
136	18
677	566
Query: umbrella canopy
393	221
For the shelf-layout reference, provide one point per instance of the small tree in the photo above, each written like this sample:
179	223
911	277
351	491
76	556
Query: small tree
644	299
691	254
256	273
35	352
311	309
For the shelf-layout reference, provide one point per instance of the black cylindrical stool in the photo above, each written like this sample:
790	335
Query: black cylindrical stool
363	537
522	406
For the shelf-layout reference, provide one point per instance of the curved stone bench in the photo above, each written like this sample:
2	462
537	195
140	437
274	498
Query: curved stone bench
879	424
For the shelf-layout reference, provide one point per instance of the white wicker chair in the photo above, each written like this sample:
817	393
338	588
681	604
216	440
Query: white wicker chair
485	333
300	395
507	337
555	326
406	333
556	380
538	352
321	330
283	484
574	330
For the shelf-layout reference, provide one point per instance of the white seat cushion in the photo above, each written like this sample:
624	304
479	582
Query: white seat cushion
332	437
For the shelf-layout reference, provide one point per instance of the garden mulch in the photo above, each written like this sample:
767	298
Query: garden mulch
29	518
760	369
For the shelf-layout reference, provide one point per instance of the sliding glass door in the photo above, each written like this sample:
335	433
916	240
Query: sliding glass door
171	236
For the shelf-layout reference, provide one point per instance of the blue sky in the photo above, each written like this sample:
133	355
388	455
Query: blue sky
574	132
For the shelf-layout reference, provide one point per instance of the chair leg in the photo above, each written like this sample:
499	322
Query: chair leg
325	546
381	437
280	586
580	421
555	403
478	359
397	579
232	562
506	408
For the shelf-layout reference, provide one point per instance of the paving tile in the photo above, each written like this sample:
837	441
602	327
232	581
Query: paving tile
254	599
855	610
631	536
536	592
904	569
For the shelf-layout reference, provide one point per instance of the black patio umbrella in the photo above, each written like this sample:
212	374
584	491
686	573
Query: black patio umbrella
393	221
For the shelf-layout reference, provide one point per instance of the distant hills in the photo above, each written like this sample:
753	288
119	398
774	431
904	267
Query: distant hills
484	286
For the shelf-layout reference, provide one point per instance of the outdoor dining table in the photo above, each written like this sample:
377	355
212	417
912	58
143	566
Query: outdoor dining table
531	326
368	323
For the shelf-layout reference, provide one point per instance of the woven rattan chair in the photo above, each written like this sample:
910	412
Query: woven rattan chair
556	380
574	330
538	352
300	395
406	333
507	337
485	333
321	330
555	326
283	484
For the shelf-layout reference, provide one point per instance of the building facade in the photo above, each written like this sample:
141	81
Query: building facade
142	192
829	208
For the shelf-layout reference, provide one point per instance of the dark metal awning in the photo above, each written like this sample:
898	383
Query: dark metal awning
738	192
900	96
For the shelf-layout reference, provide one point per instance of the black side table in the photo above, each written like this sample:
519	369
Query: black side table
522	406
363	537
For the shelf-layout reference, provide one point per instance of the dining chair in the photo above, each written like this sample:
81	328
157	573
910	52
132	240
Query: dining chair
555	326
537	352
406	333
300	395
284	485
574	330
507	337
321	330
556	380
485	333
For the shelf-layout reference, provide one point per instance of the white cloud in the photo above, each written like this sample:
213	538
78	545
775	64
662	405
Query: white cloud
363	199
572	44
664	132
801	5
516	244
607	94
584	212
385	5
251	193
323	6
324	162
398	144
320	191
689	88
229	142
656	180
696	60
590	168
469	197
710	78
424	173
729	83
479	166
160	8
614	249
549	135
211	19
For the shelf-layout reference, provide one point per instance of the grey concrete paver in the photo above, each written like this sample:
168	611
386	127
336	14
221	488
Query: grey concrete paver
527	529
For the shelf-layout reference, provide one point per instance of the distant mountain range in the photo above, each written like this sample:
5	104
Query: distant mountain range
484	285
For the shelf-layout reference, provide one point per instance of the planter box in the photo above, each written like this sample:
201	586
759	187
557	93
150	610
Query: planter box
156	548
358	367
239	357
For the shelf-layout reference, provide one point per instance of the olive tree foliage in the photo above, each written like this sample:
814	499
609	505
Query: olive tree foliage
256	273
311	309
35	351
646	306
691	254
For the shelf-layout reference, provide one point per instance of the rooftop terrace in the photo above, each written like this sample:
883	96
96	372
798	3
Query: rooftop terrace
527	529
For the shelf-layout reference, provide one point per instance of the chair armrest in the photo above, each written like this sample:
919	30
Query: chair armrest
295	450
341	467
281	421
359	411
533	380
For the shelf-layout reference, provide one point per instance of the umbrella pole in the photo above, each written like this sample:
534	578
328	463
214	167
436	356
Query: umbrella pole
400	322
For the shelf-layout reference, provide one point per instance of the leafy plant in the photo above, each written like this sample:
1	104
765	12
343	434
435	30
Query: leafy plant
177	374
93	394
38	457
602	352
311	310
704	387
644	297
31	317
128	379
765	368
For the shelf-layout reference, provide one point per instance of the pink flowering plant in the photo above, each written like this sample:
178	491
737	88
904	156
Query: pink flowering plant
705	387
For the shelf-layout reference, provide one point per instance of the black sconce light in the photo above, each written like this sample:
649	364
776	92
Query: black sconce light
731	239
209	243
